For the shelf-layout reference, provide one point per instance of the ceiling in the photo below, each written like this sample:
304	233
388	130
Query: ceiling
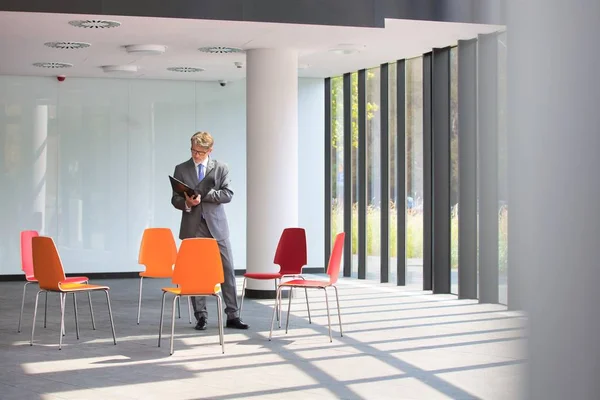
22	38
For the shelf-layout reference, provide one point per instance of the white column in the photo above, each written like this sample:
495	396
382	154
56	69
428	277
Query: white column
40	146
272	155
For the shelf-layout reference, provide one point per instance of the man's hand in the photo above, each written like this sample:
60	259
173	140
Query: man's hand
191	201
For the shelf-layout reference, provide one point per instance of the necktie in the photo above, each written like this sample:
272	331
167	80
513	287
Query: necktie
200	172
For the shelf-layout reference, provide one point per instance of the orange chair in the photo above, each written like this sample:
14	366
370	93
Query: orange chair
291	258
333	270
158	252
198	272
27	267
49	272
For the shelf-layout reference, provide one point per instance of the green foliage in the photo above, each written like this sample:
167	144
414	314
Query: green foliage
414	233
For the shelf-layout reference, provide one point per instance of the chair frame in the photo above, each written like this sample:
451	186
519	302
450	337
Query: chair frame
31	279
175	300
324	285
53	282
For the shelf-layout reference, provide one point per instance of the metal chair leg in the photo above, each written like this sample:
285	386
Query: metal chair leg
277	305
22	306
328	317
112	324
220	321
173	323
46	310
162	312
91	310
140	300
62	322
277	298
189	300
287	321
63	300
242	299
37	296
307	305
337	299
76	316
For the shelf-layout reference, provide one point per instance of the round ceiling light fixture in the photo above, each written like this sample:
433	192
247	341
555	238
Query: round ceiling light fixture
185	69
94	23
346	49
67	45
148	49
124	69
220	50
52	65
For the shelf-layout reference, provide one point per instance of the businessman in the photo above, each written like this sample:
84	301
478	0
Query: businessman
203	215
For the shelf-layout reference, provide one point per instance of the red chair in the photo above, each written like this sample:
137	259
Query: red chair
291	257
27	267
333	270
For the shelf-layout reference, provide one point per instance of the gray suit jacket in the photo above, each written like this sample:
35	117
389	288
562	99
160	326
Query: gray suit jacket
214	190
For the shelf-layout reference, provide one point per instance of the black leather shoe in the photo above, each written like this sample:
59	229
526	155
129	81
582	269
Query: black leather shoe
201	324
236	323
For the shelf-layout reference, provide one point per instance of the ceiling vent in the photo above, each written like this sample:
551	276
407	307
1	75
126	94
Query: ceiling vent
146	49
94	23
185	69
220	50
67	45
52	65
122	69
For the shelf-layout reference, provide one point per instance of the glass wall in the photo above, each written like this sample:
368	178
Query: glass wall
502	172
355	179
414	171
337	156
373	175
454	181
395	191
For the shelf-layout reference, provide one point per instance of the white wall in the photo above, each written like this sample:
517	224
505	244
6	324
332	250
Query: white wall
86	162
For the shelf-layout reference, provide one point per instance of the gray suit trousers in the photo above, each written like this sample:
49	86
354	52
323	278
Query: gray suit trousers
228	288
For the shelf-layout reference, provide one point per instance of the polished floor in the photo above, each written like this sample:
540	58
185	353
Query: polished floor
398	343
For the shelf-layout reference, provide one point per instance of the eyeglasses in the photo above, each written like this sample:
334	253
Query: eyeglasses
199	152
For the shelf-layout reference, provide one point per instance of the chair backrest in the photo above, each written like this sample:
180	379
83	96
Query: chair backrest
47	267
291	251
198	268
26	254
335	259
158	251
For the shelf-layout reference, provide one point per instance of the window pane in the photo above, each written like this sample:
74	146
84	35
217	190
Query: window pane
502	171
337	157
454	182
393	170
373	175
354	114
414	171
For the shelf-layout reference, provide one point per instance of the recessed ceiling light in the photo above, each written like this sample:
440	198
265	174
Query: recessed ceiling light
128	69
185	69
52	65
346	49
94	23
220	50
150	49
67	45
303	66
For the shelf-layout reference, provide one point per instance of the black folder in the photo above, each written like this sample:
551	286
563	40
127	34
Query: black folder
180	187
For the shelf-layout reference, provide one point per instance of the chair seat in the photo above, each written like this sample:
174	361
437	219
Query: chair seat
177	291
145	274
251	275
306	283
76	279
78	287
